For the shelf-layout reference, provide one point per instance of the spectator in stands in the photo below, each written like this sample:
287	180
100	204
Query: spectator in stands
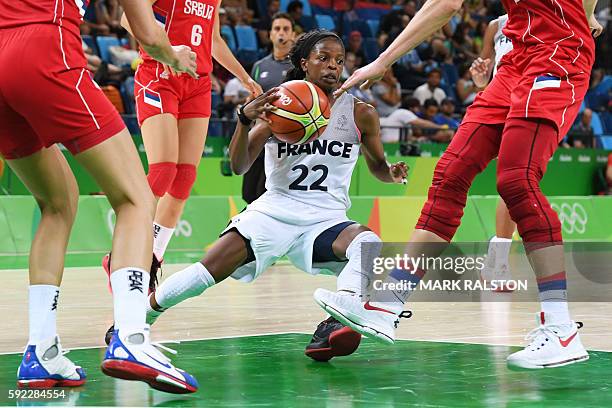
463	44
103	71
387	94
431	88
109	12
234	94
296	9
265	23
430	110
403	124
364	95
92	23
446	115
581	133
269	72
410	70
465	87
355	45
238	12
394	22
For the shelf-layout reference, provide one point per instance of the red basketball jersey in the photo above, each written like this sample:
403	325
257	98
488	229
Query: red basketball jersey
560	25
188	22
65	13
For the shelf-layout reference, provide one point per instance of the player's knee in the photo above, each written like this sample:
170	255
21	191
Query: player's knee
183	181
62	205
514	185
366	242
161	176
454	174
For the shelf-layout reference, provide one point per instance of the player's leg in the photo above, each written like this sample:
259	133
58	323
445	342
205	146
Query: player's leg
472	148
227	254
48	177
526	148
191	140
497	266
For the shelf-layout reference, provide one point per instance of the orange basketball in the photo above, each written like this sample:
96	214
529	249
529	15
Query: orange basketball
302	112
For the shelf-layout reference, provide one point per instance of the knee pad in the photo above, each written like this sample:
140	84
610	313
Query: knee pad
160	177
185	177
371	248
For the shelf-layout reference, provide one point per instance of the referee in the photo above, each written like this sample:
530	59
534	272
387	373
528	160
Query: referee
269	72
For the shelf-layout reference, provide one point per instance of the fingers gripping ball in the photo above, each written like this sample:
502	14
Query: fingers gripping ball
302	112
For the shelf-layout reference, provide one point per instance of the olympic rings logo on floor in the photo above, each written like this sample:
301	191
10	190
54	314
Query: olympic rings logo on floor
573	217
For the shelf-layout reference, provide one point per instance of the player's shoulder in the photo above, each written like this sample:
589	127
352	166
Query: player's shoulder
363	109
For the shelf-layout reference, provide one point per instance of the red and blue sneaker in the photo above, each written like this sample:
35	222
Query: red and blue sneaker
45	366
131	356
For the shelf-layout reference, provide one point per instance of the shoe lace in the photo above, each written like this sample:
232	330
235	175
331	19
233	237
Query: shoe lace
406	314
160	348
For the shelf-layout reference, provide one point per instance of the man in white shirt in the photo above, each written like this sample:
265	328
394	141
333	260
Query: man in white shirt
431	89
392	126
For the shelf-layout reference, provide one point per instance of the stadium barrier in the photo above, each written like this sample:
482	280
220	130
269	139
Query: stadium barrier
583	219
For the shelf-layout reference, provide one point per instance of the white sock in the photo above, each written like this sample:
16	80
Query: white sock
357	273
130	288
502	249
185	284
43	301
161	238
559	309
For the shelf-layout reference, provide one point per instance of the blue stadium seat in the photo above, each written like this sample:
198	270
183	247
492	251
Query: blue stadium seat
326	22
307	10
370	48
308	23
104	43
247	44
89	40
596	125
606	120
605	142
373	24
230	38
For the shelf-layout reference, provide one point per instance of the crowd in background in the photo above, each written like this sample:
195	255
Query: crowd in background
422	98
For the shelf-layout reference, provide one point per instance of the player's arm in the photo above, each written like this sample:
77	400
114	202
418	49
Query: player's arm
368	124
247	144
427	124
140	22
589	10
429	19
482	66
223	55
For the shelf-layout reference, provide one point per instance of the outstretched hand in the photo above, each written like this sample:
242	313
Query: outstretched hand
365	76
258	107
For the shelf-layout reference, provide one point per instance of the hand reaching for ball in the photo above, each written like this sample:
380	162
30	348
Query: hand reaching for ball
258	107
399	172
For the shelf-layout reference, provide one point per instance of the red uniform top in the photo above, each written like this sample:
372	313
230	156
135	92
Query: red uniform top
187	22
557	28
64	13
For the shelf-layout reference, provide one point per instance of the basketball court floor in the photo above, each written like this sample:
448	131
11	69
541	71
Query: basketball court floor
245	344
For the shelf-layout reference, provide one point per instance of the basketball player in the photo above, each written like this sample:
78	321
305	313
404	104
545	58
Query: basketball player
496	45
47	96
520	117
174	109
302	215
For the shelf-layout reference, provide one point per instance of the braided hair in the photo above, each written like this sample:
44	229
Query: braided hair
302	48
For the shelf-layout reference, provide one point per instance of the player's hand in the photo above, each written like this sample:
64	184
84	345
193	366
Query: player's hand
365	77
253	87
480	71
258	107
596	28
399	172
185	60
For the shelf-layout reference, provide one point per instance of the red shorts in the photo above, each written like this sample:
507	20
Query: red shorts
47	95
182	96
531	84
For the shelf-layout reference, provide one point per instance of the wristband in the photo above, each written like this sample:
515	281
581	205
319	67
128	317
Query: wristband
242	117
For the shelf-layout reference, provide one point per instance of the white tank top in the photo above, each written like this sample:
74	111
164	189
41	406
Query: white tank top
318	173
503	45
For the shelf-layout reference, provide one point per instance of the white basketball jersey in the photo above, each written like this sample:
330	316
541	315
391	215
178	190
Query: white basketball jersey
318	173
503	45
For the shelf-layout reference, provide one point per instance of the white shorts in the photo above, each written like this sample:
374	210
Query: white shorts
278	226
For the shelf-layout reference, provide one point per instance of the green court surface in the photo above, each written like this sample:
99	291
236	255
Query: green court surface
271	371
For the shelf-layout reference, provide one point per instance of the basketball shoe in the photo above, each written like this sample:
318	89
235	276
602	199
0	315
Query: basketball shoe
332	339
553	344
131	356
496	267
45	366
374	322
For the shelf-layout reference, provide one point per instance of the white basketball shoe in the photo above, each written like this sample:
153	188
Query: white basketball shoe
374	321
496	266
553	344
131	356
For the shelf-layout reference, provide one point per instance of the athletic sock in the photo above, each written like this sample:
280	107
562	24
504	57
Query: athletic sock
161	238
42	310
401	283
189	282
553	296
130	287
502	249
356	275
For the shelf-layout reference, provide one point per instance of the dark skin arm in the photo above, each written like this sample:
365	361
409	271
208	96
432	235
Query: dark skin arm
368	124
247	144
